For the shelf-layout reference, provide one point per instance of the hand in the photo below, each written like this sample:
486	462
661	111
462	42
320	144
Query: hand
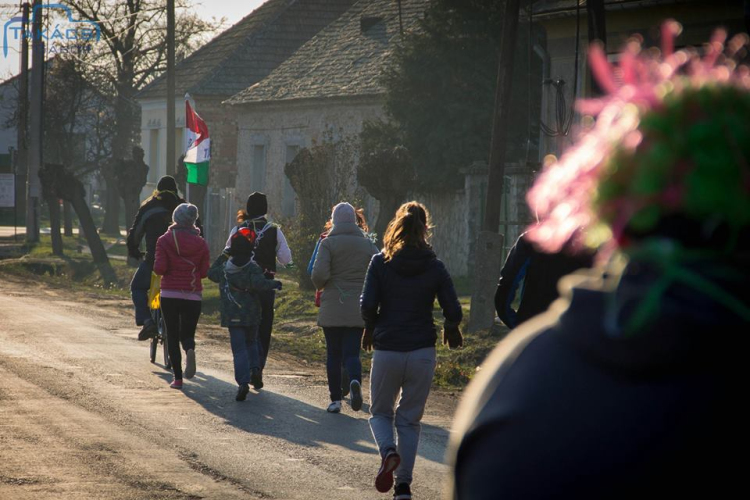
452	336
367	339
135	253
277	285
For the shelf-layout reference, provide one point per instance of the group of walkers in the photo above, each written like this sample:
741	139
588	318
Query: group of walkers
627	384
381	301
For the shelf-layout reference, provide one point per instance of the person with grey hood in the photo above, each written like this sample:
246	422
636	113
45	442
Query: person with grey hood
339	270
240	281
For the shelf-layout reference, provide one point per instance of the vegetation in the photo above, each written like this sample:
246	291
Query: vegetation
440	94
295	330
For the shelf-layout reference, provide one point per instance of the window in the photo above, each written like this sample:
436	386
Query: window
289	198
153	155
258	179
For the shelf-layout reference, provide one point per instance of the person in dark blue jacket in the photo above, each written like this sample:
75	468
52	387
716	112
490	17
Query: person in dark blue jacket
397	302
536	274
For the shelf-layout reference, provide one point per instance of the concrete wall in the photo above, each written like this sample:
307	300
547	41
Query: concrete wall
270	134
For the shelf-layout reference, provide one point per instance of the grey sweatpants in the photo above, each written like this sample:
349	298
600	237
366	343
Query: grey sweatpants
410	374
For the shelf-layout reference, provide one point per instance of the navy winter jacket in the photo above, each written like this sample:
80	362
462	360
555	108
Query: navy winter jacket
399	297
571	406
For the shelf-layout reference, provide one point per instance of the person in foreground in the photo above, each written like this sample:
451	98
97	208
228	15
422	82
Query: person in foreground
152	220
397	302
339	270
628	386
182	260
240	281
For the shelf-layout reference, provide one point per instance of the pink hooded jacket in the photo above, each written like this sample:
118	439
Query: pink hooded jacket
182	259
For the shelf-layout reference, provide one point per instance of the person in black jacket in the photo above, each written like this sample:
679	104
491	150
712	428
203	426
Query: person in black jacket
270	247
537	274
152	220
630	385
397	301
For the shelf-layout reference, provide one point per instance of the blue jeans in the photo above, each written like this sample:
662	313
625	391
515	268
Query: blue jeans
139	291
246	350
342	347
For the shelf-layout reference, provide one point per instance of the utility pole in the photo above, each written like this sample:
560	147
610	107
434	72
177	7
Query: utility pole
489	248
171	167
22	160
35	157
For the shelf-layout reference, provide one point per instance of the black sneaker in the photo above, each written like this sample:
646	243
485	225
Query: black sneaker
402	491
148	331
356	399
256	378
242	392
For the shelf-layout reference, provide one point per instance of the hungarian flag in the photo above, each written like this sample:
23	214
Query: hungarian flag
198	153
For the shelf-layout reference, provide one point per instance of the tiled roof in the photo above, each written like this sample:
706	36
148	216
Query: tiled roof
344	59
248	51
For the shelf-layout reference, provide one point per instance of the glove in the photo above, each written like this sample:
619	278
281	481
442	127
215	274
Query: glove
367	339
452	336
277	284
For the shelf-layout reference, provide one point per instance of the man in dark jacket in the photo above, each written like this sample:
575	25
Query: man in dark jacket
270	247
537	274
152	220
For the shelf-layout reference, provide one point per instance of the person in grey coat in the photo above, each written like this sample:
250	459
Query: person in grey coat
339	270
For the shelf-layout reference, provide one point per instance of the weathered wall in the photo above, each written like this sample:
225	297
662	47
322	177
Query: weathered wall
277	127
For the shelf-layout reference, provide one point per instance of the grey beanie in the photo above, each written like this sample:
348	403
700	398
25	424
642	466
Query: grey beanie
185	214
343	213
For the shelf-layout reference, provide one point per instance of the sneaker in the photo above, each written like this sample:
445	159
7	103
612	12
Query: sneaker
242	392
356	399
334	407
189	364
402	491
256	378
176	384
384	479
148	331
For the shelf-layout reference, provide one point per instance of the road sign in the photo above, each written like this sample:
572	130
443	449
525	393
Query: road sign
7	190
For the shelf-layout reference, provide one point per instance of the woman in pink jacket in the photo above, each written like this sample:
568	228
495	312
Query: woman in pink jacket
182	261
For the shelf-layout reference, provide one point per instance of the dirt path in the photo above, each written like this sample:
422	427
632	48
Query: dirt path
83	414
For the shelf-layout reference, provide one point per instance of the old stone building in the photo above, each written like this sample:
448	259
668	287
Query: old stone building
235	59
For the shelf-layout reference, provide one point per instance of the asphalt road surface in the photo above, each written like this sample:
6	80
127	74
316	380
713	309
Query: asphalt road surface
84	414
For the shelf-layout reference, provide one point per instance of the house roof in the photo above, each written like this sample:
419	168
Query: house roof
248	51
345	59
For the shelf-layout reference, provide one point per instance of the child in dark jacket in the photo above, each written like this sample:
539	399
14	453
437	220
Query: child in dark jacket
240	279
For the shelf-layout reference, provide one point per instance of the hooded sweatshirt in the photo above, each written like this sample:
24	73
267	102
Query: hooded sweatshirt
399	296
568	406
238	286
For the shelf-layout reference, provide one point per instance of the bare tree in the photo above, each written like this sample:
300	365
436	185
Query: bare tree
132	52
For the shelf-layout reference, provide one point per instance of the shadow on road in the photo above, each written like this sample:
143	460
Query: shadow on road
279	416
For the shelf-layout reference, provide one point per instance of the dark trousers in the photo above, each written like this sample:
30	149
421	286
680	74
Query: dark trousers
180	318
267	299
139	291
342	347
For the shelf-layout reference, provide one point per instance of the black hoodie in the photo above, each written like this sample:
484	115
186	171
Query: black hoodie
399	297
569	406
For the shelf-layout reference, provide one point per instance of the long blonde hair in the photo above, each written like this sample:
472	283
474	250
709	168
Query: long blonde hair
410	227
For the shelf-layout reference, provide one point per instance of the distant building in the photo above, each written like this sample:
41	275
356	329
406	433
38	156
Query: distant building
235	59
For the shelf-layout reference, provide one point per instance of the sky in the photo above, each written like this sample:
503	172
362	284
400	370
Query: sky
232	10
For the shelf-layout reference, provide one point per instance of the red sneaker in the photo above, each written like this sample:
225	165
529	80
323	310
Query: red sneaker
176	384
384	479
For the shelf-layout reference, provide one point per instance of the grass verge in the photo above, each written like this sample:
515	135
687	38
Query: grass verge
295	329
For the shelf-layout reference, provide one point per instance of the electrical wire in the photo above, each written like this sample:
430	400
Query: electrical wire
563	113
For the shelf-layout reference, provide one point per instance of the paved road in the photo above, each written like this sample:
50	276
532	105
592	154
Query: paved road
83	414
